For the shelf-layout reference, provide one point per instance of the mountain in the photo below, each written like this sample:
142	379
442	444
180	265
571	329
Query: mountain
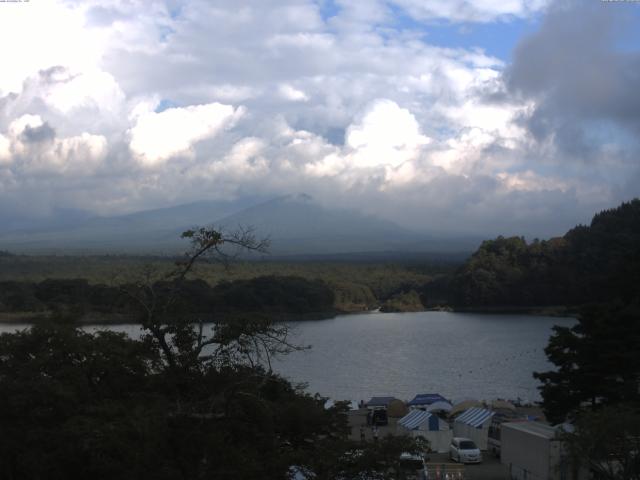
295	224
151	231
12	221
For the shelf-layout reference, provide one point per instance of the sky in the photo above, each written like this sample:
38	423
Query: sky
461	116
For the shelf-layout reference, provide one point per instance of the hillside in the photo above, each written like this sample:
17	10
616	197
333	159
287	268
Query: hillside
598	262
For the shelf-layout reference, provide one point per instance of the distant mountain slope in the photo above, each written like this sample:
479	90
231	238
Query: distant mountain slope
151	231
296	225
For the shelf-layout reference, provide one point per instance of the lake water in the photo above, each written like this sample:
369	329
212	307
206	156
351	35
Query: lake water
459	355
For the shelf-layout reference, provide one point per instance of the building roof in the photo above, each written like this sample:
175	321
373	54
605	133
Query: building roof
533	428
427	399
380	401
475	417
417	418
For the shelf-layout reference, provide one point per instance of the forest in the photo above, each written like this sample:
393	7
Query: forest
96	288
590	263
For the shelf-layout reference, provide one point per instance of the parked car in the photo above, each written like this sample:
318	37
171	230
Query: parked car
463	450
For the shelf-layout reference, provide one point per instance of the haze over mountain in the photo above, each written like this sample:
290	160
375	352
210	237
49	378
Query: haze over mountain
295	225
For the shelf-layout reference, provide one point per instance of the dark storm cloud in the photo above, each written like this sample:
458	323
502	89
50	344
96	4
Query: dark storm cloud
43	133
581	75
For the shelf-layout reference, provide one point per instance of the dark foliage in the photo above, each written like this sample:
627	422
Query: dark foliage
184	402
269	295
595	263
76	405
607	442
597	362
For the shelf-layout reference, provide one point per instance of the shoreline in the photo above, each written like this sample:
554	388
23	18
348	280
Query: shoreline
99	318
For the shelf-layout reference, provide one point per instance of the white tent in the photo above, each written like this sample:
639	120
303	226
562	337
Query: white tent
474	424
418	423
352	404
440	406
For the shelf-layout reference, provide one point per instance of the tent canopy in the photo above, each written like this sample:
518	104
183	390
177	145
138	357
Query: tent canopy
419	418
439	406
475	417
426	399
352	404
380	401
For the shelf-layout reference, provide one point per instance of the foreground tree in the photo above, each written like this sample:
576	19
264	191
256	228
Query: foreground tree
185	402
597	360
607	443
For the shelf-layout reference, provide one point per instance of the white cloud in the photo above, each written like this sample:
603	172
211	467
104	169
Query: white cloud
93	89
156	137
244	161
33	147
358	108
39	35
18	126
5	153
385	135
471	10
293	94
531	181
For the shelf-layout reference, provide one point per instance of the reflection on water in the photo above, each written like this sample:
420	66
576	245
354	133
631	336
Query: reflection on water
454	354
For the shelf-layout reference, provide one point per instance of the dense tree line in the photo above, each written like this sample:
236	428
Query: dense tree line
595	263
595	384
268	295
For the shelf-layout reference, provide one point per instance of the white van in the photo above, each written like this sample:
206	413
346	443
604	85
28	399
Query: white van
463	450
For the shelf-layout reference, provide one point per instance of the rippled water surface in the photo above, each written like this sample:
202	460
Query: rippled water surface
401	354
457	355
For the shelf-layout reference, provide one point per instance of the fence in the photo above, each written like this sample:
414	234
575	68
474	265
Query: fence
445	471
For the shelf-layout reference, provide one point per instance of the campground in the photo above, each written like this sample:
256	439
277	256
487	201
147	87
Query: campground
489	469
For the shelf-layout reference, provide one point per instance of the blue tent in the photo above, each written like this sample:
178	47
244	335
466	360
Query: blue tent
425	399
379	402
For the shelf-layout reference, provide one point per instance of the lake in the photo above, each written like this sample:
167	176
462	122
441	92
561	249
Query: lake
458	355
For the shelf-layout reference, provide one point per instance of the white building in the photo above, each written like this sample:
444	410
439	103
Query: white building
533	451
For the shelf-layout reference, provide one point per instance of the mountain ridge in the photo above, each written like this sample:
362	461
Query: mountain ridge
296	225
